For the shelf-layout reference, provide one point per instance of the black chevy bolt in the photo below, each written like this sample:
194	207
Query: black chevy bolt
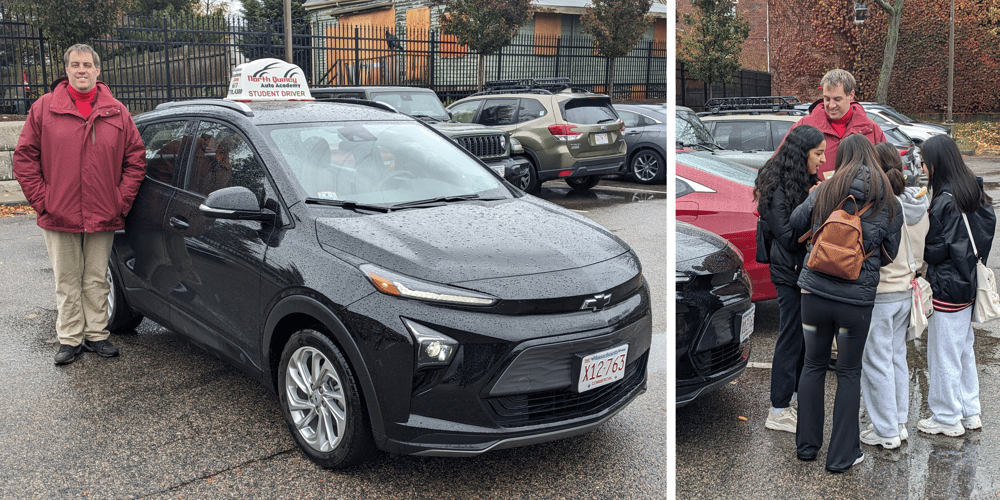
394	292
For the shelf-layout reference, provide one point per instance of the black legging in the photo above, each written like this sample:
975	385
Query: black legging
821	318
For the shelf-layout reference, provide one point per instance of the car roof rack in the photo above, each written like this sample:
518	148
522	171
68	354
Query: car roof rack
530	86
769	104
357	100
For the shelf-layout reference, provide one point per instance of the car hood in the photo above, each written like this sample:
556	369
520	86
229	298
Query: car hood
469	241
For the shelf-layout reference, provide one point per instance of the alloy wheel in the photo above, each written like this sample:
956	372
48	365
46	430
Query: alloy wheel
645	166
316	399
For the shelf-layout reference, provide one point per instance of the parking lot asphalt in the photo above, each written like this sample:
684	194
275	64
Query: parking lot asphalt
168	420
721	455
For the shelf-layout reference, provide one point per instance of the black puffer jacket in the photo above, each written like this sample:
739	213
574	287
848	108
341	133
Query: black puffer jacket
951	265
878	231
786	253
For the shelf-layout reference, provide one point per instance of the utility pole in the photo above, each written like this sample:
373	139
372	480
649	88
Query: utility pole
951	61
288	31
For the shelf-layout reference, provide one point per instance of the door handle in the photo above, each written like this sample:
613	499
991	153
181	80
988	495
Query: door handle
632	132
179	223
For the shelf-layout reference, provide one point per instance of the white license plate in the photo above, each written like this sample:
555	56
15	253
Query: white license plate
499	170
601	368
600	138
746	328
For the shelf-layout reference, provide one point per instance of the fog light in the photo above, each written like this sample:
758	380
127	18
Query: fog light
433	348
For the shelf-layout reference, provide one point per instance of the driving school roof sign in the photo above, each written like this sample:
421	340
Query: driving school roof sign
268	80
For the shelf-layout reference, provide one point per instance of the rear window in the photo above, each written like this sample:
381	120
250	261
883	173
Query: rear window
588	111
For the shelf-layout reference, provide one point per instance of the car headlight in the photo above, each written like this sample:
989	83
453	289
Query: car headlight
503	142
515	146
433	348
398	285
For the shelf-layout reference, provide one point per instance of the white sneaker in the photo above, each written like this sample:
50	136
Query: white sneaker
859	460
783	421
869	436
931	426
973	422
902	432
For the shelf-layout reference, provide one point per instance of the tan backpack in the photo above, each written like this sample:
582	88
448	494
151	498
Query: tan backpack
838	245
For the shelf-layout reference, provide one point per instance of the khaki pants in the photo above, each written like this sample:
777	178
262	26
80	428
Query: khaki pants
80	264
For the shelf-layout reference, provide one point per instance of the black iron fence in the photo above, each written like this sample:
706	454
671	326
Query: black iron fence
746	83
149	60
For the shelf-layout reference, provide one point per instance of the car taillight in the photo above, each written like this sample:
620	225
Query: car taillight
623	125
564	133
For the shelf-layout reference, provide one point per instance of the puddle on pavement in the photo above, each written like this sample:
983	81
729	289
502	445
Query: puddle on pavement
597	197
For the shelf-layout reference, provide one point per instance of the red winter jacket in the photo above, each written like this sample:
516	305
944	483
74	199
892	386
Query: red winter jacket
859	123
80	174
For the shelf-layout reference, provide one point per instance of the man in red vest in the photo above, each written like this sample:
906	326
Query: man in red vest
838	115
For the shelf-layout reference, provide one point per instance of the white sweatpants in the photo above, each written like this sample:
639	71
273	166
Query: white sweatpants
884	374
954	383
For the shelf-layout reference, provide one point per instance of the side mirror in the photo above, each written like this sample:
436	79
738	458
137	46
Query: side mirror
235	202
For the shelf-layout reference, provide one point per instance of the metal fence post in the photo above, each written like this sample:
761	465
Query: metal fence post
357	56
499	59
430	59
649	65
166	59
558	47
41	52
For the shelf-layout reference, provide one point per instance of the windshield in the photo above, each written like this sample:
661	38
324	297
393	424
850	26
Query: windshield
897	116
719	167
380	163
421	104
690	129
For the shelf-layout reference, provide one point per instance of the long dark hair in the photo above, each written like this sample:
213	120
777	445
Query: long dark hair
892	165
946	166
788	168
858	156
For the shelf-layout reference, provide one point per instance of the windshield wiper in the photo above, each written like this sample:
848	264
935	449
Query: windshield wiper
350	205
441	200
700	145
429	117
608	120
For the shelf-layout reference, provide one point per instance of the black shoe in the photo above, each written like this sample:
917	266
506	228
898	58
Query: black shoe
102	347
67	354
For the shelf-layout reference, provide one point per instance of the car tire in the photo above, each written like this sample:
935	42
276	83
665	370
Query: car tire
531	184
647	167
121	317
323	408
583	183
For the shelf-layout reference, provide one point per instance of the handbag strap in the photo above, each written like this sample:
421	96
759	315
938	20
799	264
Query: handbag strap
973	240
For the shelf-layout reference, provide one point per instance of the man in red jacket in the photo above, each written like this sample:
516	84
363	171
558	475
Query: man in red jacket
839	115
80	161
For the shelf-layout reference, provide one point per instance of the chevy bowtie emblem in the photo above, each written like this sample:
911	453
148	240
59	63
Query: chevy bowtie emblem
598	302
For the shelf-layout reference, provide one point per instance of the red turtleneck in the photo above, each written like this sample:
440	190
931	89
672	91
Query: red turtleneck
839	126
84	100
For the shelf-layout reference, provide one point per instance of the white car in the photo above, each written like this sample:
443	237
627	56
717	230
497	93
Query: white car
883	114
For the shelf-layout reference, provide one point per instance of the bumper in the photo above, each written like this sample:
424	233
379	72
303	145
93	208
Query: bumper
509	168
583	168
687	392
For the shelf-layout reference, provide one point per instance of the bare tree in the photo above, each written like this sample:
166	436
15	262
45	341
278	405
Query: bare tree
895	12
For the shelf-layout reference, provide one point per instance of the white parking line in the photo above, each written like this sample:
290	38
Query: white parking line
759	365
630	190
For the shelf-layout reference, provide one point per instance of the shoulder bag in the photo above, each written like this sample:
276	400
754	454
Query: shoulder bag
987	306
920	298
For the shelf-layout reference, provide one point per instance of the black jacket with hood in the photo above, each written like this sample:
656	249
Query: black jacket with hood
951	264
880	234
786	253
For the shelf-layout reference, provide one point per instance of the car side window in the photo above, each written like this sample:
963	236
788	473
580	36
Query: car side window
222	158
631	119
530	109
877	119
779	129
748	136
166	148
499	112
465	112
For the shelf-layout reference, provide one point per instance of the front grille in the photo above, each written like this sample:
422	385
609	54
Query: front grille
719	359
553	406
483	146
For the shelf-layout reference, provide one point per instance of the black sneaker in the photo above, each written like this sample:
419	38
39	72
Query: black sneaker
102	347
67	354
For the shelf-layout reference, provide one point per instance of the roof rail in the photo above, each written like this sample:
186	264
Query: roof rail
357	100
233	105
769	103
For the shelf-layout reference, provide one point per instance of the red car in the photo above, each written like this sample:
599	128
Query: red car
717	195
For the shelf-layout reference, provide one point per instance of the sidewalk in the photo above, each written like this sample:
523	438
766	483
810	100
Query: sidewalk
10	193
